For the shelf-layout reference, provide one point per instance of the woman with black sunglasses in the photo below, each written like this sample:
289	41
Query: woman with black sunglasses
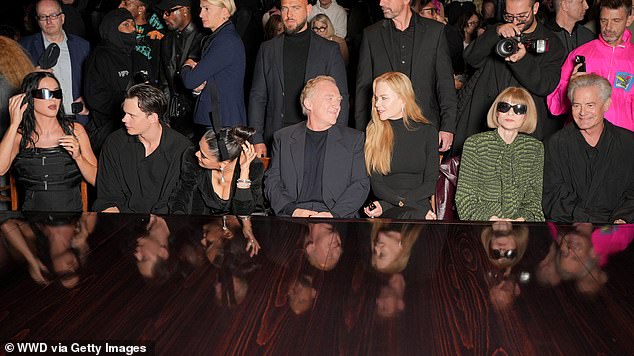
501	171
50	153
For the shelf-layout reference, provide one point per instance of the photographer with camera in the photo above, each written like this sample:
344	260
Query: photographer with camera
521	52
610	56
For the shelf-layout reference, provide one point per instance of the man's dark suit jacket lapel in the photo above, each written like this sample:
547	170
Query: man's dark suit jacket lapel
420	28
278	46
385	36
333	161
312	66
297	143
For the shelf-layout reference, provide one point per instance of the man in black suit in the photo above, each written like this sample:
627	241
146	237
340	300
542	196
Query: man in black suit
317	167
182	41
407	43
283	66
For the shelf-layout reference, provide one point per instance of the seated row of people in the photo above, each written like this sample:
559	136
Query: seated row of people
585	171
321	169
588	175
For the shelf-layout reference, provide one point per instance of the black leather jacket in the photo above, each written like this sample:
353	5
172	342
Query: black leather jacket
176	48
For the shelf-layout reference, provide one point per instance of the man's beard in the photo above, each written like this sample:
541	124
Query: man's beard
528	23
295	30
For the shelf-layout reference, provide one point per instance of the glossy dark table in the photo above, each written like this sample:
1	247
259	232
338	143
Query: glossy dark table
317	287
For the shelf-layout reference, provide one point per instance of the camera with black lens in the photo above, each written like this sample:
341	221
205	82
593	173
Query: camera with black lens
508	46
141	77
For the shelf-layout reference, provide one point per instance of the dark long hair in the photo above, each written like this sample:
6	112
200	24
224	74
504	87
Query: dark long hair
463	21
227	145
27	126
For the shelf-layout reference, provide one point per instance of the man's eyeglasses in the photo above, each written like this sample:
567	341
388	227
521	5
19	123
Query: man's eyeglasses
47	94
320	28
52	17
498	254
168	12
520	17
519	109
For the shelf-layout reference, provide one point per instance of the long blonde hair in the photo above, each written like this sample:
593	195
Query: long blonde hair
15	63
409	235
379	141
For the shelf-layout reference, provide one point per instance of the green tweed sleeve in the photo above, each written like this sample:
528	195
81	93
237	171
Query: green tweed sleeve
531	204
468	202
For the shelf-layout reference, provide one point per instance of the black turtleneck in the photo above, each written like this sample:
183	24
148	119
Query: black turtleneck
295	56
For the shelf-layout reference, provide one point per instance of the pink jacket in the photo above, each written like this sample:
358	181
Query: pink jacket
614	63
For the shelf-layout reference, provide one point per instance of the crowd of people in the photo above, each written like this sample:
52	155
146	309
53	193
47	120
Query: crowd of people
165	117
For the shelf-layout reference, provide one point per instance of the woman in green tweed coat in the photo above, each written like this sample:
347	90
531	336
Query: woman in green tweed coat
501	171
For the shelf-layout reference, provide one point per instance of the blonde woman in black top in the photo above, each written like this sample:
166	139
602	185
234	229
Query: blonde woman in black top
401	152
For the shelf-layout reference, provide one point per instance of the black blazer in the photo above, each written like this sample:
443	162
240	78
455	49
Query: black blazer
266	102
432	74
345	182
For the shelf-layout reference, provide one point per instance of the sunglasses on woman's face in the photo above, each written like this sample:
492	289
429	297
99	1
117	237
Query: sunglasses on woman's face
47	94
498	254
519	109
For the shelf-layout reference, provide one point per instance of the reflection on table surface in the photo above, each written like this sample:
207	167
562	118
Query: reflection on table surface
249	285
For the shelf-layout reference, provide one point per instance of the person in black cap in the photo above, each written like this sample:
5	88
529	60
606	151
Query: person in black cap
183	41
149	32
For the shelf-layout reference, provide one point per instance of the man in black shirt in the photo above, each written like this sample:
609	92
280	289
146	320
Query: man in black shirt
566	25
282	66
140	164
183	41
149	31
317	167
588	166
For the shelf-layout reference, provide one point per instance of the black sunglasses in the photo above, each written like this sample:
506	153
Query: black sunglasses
498	254
47	94
168	12
519	109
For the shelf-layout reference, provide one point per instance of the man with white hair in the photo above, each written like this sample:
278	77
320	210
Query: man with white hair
588	166
611	56
317	167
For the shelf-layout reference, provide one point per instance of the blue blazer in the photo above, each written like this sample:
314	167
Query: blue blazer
222	65
78	47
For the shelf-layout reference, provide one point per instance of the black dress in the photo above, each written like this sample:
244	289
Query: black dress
51	179
195	193
404	192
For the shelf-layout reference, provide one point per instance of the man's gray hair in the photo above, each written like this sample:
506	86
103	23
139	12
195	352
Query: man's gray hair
310	86
590	80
